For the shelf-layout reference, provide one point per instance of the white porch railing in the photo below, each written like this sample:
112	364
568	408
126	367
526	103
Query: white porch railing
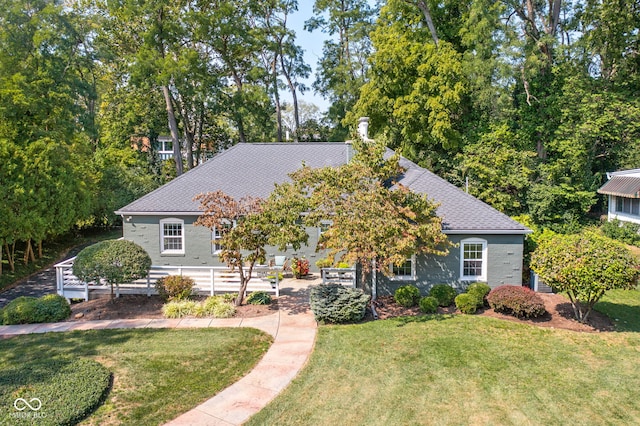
343	276
208	280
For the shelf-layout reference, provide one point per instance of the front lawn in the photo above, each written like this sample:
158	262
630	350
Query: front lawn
623	307
157	374
462	370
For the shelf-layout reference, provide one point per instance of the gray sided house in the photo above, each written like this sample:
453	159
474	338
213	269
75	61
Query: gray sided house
489	245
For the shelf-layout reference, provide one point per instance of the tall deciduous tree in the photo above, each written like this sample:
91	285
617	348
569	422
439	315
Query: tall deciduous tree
584	266
343	66
416	88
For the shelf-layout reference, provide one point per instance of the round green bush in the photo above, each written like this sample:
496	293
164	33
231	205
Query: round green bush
68	390
175	287
444	294
467	303
479	291
334	303
259	298
407	296
429	305
31	310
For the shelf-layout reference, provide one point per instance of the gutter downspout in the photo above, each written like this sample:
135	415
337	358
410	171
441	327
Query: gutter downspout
374	289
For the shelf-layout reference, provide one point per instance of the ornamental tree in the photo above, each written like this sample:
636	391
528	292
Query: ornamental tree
375	221
114	261
258	223
584	266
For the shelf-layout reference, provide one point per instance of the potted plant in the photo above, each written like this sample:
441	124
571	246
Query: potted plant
299	267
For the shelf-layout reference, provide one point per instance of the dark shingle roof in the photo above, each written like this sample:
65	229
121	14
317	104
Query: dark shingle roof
253	168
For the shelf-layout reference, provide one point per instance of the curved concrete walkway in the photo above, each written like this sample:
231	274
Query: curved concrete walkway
293	328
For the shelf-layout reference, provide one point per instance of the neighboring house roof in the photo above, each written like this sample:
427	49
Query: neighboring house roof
253	169
622	185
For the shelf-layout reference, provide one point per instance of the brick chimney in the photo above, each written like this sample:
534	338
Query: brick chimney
363	128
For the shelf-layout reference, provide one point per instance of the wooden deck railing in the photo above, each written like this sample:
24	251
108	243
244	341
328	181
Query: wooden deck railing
208	280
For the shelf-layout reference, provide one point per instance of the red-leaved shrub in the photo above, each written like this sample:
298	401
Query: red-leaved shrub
518	301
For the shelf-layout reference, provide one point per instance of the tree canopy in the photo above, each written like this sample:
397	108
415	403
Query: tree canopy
585	266
371	218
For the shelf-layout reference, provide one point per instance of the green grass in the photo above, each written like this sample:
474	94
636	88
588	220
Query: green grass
462	370
623	307
52	251
157	374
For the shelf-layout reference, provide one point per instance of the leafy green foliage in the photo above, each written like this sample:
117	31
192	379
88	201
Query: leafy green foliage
625	232
479	290
407	296
115	261
259	223
334	303
444	294
370	221
68	389
29	310
585	266
259	298
518	301
428	305
214	307
175	287
467	303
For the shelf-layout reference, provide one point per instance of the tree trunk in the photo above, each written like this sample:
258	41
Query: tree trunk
40	249
294	97
173	127
1	258
422	5
28	253
10	256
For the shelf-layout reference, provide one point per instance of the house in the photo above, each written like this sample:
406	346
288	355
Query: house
623	191
489	244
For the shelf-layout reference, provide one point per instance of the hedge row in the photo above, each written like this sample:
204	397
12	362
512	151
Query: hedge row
64	390
31	310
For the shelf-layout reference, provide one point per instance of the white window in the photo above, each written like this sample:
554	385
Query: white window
628	205
473	259
172	236
217	234
406	270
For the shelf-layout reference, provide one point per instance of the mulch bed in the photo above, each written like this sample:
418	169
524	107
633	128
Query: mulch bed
559	314
136	306
559	311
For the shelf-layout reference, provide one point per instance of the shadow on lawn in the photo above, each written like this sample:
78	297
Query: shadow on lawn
625	317
402	321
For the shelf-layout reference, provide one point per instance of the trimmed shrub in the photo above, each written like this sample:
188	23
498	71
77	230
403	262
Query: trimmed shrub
429	305
479	291
214	306
334	303
444	294
31	310
324	263
259	298
175	287
179	308
69	390
518	301
467	303
407	296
